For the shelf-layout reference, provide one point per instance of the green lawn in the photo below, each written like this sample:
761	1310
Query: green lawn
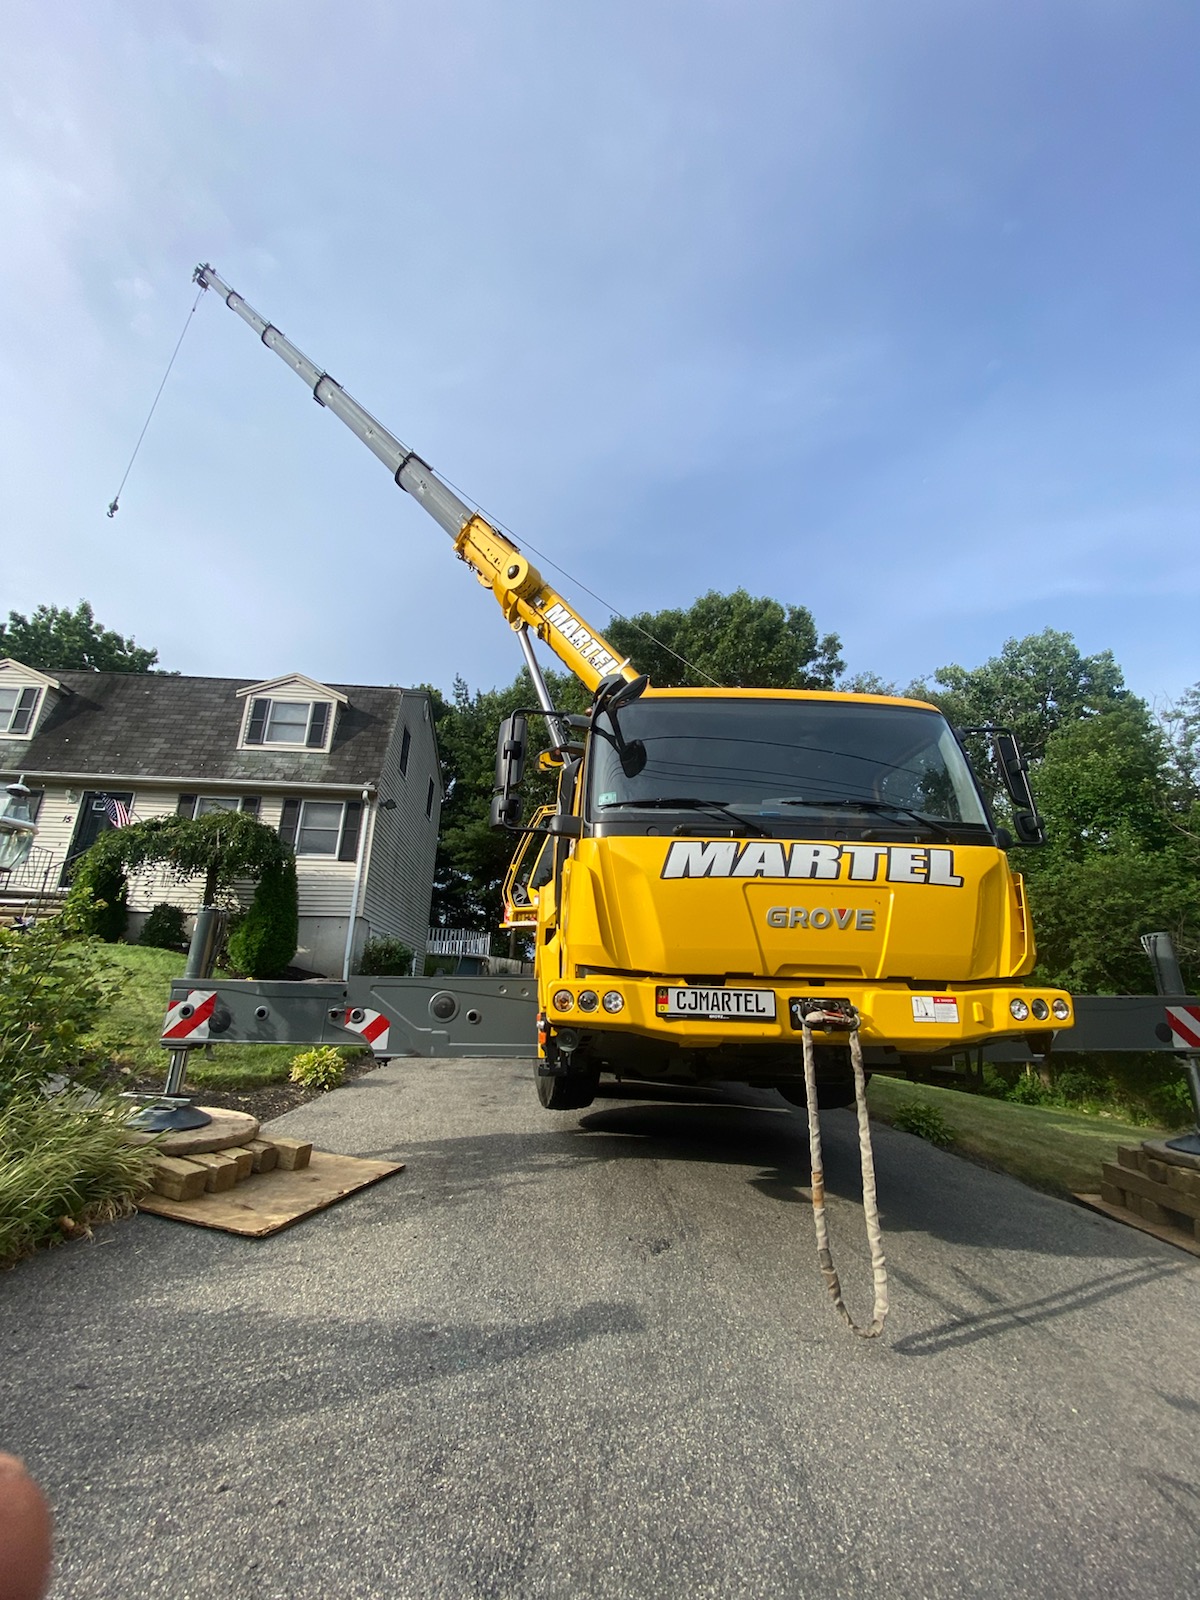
128	1033
1059	1151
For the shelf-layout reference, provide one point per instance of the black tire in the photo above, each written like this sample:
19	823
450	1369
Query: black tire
570	1091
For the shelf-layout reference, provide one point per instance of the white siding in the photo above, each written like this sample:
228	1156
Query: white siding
324	885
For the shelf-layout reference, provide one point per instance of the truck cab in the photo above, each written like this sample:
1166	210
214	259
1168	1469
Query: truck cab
721	862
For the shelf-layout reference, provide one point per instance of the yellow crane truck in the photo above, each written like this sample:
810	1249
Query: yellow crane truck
720	867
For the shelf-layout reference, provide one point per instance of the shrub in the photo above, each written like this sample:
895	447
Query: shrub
385	958
925	1121
1029	1090
163	928
320	1068
264	942
64	1166
100	890
53	986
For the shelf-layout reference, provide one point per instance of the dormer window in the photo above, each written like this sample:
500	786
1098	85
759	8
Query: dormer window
22	690
298	724
17	707
292	713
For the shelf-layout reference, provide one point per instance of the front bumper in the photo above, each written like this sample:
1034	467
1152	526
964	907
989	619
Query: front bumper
912	1021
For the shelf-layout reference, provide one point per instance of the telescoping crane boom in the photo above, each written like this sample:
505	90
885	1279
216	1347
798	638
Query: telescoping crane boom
528	602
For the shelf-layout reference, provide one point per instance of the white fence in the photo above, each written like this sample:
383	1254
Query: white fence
458	942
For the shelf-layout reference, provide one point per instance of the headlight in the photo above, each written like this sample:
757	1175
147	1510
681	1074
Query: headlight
613	1001
1019	1010
588	1000
1061	1010
1040	1009
563	1000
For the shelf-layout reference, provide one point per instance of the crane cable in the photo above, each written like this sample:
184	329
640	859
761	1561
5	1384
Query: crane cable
839	1020
114	504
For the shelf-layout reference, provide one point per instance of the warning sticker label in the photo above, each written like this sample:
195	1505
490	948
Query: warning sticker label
935	1008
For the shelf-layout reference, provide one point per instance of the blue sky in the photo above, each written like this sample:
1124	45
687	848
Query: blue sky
887	310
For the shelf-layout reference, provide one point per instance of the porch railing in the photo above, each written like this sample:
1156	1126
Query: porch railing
37	875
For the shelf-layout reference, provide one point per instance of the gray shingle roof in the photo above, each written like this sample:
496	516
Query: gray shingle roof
145	725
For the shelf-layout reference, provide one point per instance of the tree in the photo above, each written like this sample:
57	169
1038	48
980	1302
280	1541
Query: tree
1034	686
472	858
740	641
1120	861
57	640
223	845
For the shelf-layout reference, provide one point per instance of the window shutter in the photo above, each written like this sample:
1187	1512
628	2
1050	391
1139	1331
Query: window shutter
187	805
258	721
23	715
429	800
289	822
317	725
350	827
251	804
405	746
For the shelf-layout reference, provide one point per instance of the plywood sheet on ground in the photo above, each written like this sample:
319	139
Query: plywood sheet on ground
269	1201
1157	1230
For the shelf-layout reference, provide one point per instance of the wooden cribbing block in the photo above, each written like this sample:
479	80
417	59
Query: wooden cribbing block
266	1157
176	1179
292	1153
1136	1183
244	1159
222	1170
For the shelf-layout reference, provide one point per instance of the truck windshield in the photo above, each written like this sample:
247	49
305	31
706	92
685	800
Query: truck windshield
790	760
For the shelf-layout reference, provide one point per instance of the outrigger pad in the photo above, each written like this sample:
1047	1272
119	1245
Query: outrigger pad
269	1201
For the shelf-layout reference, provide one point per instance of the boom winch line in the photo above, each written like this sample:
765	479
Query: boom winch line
114	504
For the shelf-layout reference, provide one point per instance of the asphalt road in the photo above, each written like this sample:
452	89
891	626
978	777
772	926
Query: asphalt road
591	1355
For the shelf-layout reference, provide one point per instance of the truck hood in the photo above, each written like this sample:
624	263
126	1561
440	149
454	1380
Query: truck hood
793	908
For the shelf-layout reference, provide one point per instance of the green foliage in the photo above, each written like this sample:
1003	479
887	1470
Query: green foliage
264	942
925	1121
741	641
164	927
64	1165
55	639
1034	686
99	891
53	987
1120	860
320	1068
1029	1090
385	958
472	859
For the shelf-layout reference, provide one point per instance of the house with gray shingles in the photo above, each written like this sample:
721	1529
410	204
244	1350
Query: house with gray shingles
348	773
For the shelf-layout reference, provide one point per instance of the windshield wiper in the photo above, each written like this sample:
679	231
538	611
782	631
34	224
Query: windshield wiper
691	802
883	808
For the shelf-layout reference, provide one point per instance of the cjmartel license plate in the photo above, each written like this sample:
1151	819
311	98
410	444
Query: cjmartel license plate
716	1005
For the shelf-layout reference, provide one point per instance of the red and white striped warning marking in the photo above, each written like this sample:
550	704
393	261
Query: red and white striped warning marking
372	1025
188	1018
1184	1022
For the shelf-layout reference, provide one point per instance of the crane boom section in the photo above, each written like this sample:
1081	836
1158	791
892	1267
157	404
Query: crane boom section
523	595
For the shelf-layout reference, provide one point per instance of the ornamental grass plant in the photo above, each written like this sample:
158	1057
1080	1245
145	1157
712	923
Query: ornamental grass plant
65	1165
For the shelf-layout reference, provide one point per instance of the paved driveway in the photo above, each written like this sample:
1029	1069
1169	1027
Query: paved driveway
591	1355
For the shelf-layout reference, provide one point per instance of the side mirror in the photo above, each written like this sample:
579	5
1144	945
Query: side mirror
564	826
511	745
1014	772
506	811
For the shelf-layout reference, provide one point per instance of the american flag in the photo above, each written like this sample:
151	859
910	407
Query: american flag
117	812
